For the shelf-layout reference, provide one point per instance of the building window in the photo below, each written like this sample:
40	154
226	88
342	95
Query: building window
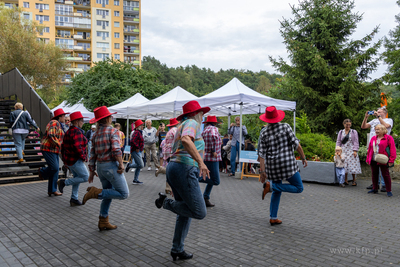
116	45
102	56
116	34
42	7
103	35
116	13
102	23
44	40
27	16
116	2
102	45
42	18
67	43
116	24
117	56
63	9
26	4
46	29
102	12
102	2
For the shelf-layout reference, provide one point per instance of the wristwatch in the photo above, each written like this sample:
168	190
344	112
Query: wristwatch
379	116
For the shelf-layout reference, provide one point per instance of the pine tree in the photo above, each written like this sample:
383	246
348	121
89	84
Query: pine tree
328	70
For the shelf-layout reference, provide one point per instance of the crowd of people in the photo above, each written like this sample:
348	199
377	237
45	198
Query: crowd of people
188	156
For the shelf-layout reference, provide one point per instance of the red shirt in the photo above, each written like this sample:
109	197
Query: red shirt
73	146
212	142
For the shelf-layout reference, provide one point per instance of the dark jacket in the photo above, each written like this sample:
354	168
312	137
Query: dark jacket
22	122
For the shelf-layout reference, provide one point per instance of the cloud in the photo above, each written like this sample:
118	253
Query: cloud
233	34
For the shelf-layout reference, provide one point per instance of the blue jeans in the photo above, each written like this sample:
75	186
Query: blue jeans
381	178
234	151
114	185
188	203
213	167
81	175
295	186
137	162
19	142
89	146
340	173
51	171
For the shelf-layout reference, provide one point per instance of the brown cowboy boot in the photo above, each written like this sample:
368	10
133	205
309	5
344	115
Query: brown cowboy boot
105	225
92	192
208	203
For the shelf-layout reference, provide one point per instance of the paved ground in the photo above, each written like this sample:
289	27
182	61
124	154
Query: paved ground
323	226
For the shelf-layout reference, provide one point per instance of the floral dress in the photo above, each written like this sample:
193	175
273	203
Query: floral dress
352	164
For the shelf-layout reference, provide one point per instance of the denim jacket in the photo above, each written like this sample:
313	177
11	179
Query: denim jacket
22	122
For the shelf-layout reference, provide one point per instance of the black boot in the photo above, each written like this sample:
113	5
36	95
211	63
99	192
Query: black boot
74	202
181	255
61	185
208	203
160	200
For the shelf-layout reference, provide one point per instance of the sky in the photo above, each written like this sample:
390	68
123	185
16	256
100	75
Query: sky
232	34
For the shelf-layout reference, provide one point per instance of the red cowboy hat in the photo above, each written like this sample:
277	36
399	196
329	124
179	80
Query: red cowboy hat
76	116
172	122
59	112
138	123
272	115
191	107
211	119
100	113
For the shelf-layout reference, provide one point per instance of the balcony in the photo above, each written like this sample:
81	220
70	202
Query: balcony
74	58
74	69
82	4
80	38
130	30
131	51
131	20
63	36
132	41
81	48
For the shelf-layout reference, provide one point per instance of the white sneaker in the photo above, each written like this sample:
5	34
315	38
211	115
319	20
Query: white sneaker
149	168
156	169
133	169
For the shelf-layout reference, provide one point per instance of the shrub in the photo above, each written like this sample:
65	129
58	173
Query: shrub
319	145
362	153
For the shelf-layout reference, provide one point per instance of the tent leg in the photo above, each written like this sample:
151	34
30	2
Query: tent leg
294	122
127	129
229	121
240	137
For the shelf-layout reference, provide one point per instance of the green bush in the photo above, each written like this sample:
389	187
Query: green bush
362	153
317	145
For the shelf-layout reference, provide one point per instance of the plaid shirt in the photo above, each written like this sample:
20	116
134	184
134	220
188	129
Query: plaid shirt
137	141
53	137
277	145
105	146
212	142
168	143
73	146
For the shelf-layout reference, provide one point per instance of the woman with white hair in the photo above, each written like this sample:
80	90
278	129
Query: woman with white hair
20	129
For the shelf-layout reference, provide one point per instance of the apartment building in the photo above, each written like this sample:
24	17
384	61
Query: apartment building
88	30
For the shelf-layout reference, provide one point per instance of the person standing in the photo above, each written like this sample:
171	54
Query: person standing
150	135
234	130
381	144
348	140
66	124
161	136
20	129
212	156
121	136
380	115
136	152
73	152
51	148
277	160
106	152
184	168
89	136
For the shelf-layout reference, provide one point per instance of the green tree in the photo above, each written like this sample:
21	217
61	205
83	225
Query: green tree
264	84
110	82
40	63
328	69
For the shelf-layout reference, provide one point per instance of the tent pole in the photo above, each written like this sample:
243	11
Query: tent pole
229	120
127	127
294	121
240	136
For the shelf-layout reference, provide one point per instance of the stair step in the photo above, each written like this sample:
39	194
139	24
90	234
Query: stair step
27	152
5	173
30	164
19	179
26	157
13	146
9	135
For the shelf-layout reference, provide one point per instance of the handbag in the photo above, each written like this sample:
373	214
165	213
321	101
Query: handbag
380	158
346	138
10	130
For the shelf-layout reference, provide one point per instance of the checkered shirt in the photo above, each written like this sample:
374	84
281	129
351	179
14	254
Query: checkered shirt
53	137
212	142
137	141
277	145
73	146
168	143
105	146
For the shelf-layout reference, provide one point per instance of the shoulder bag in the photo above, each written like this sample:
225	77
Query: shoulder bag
10	130
380	158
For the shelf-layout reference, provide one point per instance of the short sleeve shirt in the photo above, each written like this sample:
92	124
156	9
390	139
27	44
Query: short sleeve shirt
191	128
375	122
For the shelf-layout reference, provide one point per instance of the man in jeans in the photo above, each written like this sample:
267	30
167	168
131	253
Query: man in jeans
136	152
150	136
234	130
380	115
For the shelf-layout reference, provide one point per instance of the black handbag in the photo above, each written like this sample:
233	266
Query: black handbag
346	138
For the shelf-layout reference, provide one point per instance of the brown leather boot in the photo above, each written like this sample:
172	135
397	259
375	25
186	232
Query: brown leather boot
105	225
92	192
267	188
161	170
276	221
208	203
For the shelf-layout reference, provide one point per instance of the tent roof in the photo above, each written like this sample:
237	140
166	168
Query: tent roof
226	100
77	107
163	107
122	108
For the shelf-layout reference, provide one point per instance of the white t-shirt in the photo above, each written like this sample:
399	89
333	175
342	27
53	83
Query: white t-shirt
375	122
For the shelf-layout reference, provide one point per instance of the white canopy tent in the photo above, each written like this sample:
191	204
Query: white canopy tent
167	106
77	107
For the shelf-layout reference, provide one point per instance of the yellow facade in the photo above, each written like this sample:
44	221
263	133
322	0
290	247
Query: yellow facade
88	30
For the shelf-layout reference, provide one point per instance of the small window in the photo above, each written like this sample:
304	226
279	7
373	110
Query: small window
116	13
116	34
26	4
116	24
27	16
116	2
116	45
117	56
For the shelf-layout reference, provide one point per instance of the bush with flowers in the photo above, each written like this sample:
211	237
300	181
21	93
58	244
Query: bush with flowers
317	147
